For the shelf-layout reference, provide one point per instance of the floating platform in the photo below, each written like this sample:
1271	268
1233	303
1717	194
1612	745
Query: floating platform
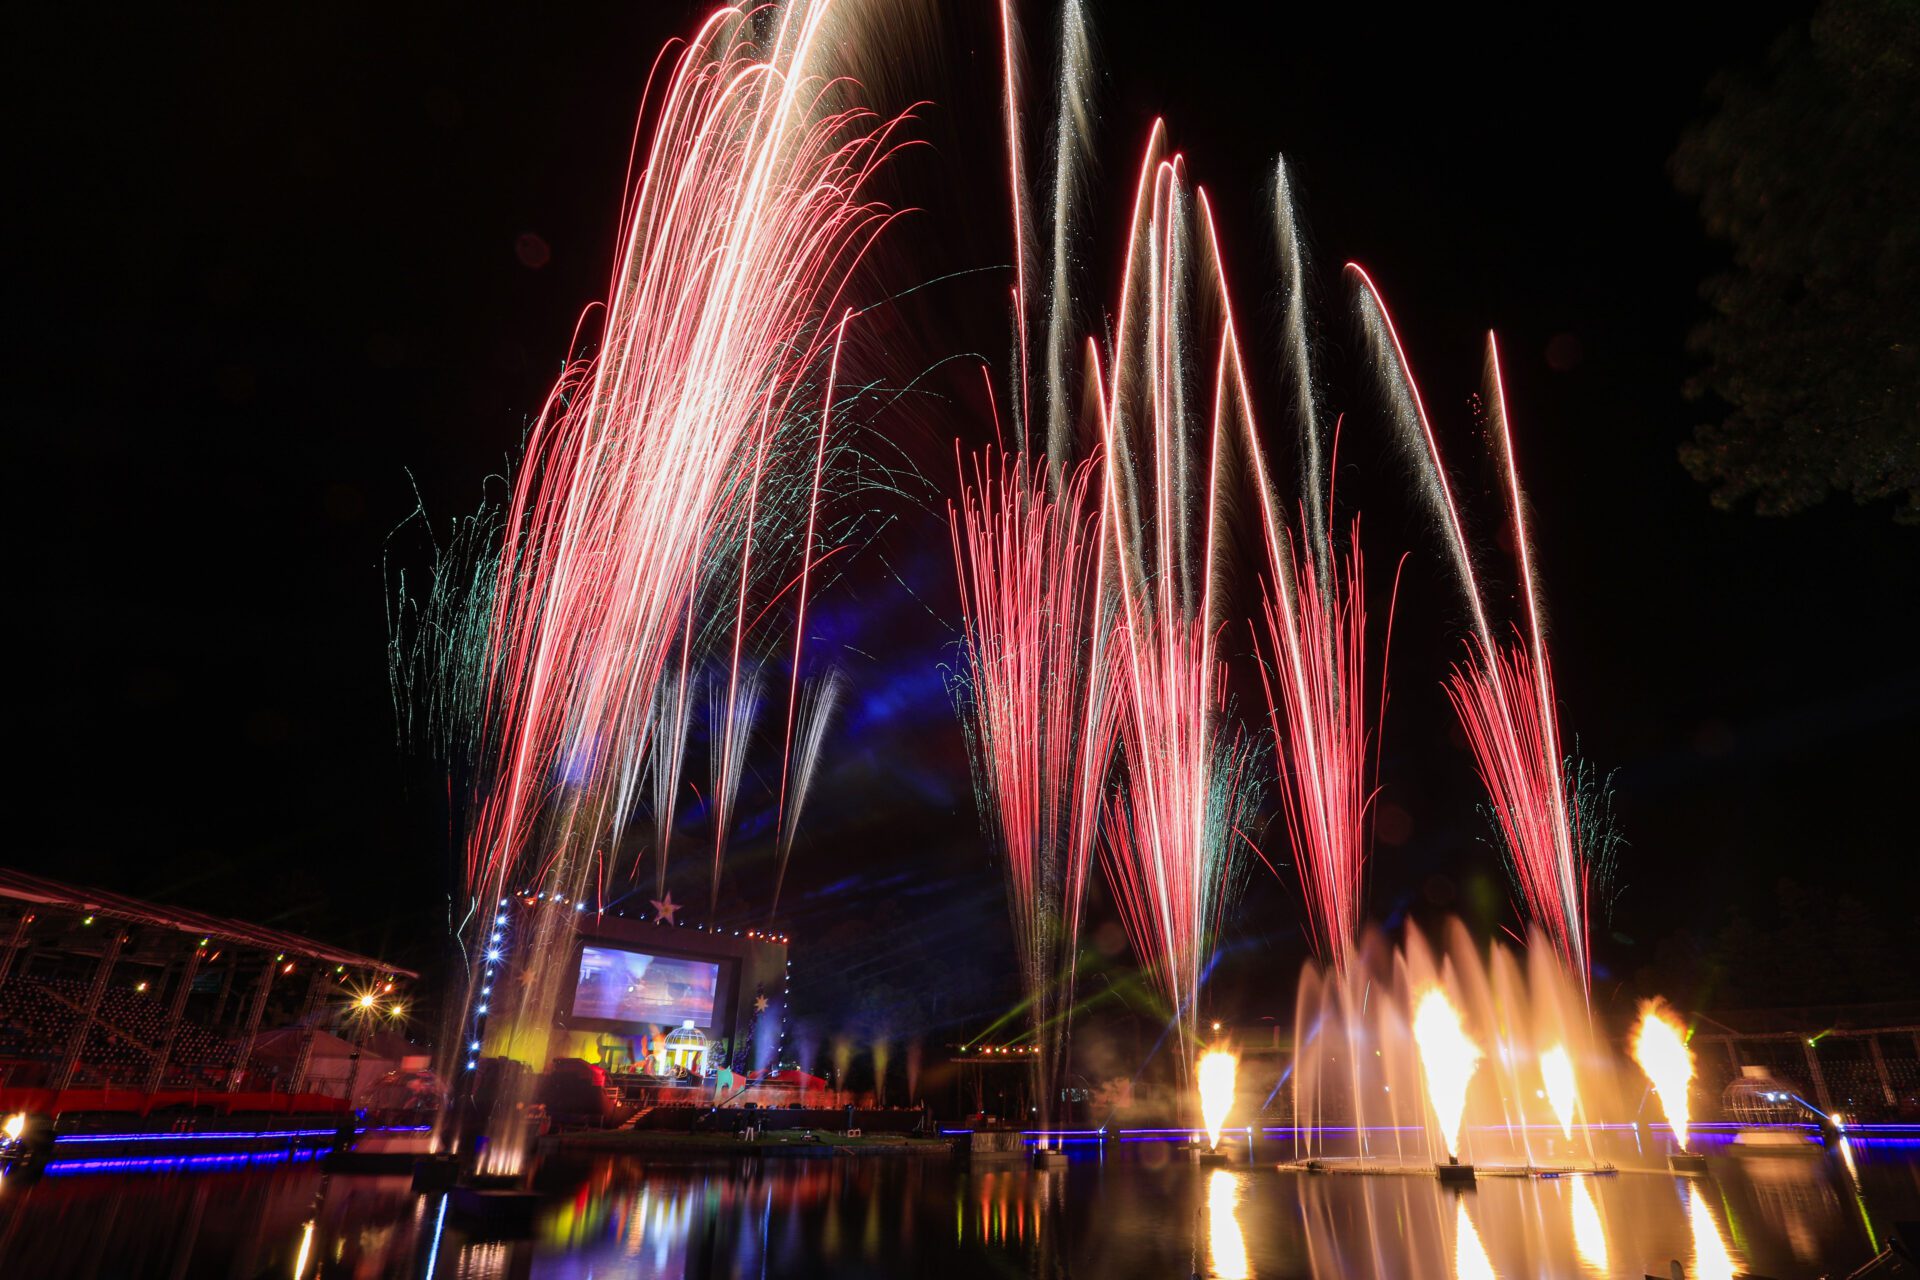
1687	1164
1381	1167
1454	1174
493	1211
1049	1157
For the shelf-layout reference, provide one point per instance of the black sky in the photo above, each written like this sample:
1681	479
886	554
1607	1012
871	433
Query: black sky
272	260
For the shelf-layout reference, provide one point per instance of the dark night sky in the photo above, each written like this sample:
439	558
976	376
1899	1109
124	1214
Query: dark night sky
273	260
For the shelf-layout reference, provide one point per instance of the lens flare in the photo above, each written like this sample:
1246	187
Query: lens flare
15	1126
1589	1237
1556	1073
1711	1261
1224	1241
1216	1075
1470	1260
1448	1059
1660	1047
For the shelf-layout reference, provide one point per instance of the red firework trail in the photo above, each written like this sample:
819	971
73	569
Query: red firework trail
1314	609
1504	695
1027	559
1170	835
742	232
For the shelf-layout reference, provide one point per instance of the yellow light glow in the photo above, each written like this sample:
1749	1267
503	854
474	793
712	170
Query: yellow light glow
1660	1047
1589	1236
1711	1261
1556	1072
1217	1070
306	1249
1228	1246
1448	1060
366	1001
1470	1260
15	1126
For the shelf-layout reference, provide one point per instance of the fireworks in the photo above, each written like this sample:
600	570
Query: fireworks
1504	694
681	463
1027	563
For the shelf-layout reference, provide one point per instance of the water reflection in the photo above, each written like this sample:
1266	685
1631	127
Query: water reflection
1589	1235
1470	1260
1711	1261
1224	1241
1138	1211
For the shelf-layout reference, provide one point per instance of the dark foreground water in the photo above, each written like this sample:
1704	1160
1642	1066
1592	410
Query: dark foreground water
1137	1211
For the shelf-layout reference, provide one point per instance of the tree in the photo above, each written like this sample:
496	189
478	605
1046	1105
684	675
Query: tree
1809	171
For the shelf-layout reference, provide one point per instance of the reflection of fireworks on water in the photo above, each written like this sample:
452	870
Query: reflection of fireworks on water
1504	693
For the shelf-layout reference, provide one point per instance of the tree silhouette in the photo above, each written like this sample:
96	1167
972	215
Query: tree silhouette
1809	172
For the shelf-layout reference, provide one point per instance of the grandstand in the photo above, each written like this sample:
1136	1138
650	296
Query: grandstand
1862	1061
102	995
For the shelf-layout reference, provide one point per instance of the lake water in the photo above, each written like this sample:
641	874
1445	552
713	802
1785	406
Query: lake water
1137	1210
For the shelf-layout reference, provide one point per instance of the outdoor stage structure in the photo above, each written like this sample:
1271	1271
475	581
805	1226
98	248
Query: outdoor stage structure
649	1002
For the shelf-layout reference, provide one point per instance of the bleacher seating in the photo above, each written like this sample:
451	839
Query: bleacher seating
37	1021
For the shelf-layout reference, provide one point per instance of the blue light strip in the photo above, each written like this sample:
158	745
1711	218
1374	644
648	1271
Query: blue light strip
167	1164
236	1136
193	1137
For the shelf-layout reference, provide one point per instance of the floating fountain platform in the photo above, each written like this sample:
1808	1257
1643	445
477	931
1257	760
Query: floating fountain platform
1454	1174
437	1172
1688	1164
1405	1169
1208	1157
1048	1157
495	1212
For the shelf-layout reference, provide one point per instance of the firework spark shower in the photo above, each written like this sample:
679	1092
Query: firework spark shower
658	474
1504	692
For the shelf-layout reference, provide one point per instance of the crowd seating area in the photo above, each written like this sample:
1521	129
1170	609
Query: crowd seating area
38	1019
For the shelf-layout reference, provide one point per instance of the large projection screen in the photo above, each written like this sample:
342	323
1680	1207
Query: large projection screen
618	985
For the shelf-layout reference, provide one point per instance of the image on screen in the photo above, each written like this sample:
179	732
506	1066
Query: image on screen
632	986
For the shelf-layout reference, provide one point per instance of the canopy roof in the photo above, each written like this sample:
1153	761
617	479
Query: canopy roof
18	886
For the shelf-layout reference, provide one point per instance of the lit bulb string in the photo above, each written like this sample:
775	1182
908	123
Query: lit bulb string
1504	695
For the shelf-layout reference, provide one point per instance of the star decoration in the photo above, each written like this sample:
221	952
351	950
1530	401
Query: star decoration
663	909
759	1004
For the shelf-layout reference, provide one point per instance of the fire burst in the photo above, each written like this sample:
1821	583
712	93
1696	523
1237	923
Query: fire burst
1660	1047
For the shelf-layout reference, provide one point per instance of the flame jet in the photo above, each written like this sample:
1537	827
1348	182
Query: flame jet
1503	693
